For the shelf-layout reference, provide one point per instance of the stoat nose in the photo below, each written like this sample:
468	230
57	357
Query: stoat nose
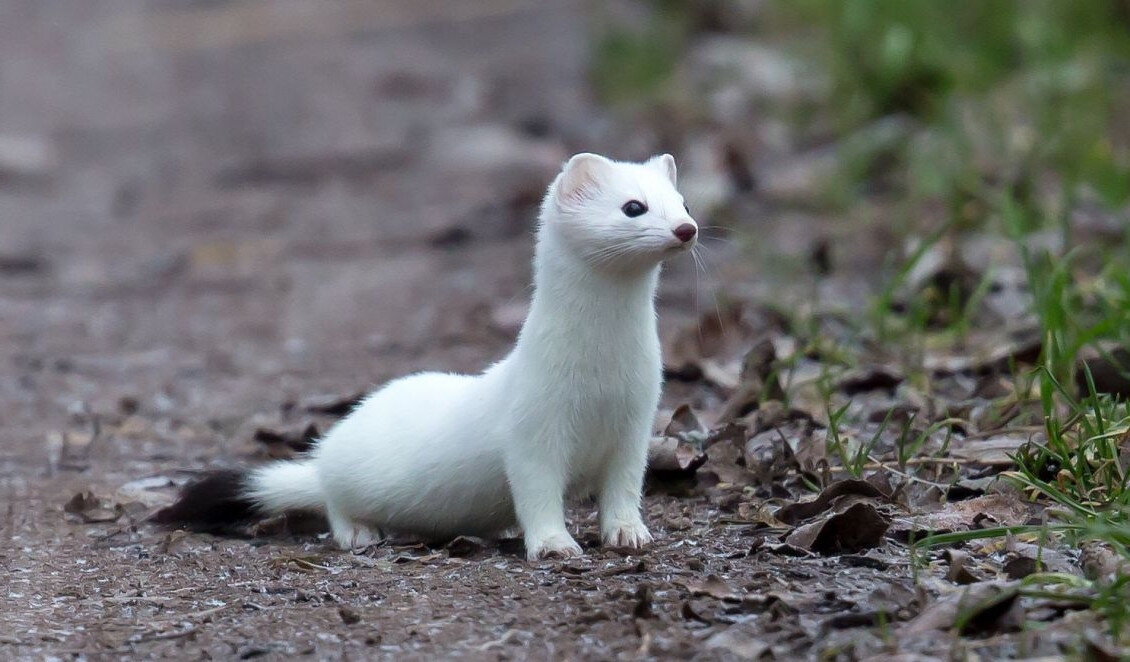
685	232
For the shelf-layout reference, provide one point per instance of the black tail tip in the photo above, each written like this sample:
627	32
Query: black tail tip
214	501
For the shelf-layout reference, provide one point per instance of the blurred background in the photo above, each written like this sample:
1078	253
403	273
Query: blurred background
221	220
215	206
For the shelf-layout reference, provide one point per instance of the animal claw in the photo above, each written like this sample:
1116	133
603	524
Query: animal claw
628	536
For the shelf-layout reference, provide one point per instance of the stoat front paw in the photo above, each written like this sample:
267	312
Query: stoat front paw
356	536
628	535
554	546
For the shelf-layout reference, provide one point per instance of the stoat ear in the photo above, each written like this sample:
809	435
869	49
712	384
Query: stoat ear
665	163
581	176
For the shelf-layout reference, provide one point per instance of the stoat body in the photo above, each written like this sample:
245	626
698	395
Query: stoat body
567	413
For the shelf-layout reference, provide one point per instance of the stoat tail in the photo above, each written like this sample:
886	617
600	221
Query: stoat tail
232	496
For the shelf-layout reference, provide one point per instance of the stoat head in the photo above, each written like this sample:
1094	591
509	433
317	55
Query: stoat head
619	216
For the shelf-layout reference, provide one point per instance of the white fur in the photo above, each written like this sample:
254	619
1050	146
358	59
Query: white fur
567	413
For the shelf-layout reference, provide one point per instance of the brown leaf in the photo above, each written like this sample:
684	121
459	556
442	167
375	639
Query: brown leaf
714	587
92	510
797	512
464	546
860	526
1024	558
737	642
1002	353
758	513
959	572
774	453
678	453
668	458
1101	562
684	424
981	608
993	451
171	543
871	378
1002	509
783	549
1019	567
691	614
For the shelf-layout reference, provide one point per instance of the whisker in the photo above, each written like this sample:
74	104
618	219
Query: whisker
701	260
697	260
606	254
721	240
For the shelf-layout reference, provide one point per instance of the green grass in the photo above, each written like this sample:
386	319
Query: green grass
633	64
1015	108
1081	473
1081	466
1027	79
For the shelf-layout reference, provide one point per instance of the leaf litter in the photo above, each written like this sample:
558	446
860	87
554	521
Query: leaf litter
781	526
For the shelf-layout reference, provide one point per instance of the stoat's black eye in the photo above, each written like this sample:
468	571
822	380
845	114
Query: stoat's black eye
634	208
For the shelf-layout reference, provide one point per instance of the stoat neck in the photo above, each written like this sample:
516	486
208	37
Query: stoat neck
579	308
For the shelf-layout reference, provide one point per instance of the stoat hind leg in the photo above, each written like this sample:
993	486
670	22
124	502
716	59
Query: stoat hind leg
350	534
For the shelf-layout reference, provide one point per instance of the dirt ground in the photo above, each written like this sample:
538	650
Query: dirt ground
218	217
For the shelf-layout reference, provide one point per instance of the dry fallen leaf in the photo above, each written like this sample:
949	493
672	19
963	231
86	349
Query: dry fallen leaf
994	451
1021	347
959	572
736	641
668	458
1101	562
870	378
91	509
997	509
859	526
714	587
464	546
985	607
797	512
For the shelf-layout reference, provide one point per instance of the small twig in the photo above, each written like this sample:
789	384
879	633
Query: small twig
162	636
501	641
947	461
206	612
988	434
197	614
881	465
621	570
135	598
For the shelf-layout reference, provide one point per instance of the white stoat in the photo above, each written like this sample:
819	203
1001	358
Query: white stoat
567	413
